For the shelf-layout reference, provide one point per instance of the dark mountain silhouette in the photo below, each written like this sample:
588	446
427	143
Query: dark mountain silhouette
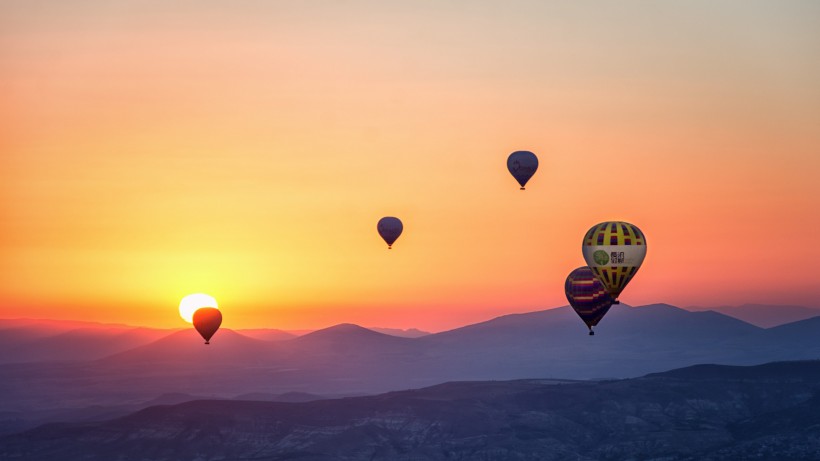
19	331
807	371
15	421
347	337
28	340
35	340
797	339
762	315
187	349
767	412
408	333
267	334
285	397
177	363
630	341
351	360
57	326
656	321
795	330
231	365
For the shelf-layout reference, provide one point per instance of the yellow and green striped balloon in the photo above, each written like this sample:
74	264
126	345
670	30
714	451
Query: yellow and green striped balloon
614	250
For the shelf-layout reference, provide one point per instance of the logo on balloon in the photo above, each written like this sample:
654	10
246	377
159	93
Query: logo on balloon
600	257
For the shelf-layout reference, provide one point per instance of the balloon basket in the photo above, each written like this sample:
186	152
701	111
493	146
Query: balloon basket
522	189
591	333
207	342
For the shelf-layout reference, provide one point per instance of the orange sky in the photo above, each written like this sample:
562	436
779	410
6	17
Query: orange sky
247	150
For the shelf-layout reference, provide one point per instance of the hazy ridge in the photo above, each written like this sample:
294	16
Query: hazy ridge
767	412
350	360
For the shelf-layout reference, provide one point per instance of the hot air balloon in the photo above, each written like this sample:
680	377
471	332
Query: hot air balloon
207	321
614	250
522	165
389	228
587	296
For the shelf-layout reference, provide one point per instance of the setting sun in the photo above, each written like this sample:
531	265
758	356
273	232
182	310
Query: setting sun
192	302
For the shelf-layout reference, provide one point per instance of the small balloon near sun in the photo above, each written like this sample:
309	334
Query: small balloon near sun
189	304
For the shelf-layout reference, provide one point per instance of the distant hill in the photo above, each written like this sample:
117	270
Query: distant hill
807	371
711	413
630	341
59	325
286	397
348	337
408	333
33	340
765	316
186	349
656	321
267	334
351	360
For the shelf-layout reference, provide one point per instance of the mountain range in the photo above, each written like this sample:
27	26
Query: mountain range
762	315
351	360
705	412
35	340
42	340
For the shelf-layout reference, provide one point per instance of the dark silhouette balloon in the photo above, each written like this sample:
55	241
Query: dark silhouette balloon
389	228
587	296
522	165
207	321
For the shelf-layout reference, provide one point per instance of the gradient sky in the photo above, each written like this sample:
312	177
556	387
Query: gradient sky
246	149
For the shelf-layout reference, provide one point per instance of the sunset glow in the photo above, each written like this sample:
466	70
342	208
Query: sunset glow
248	149
190	303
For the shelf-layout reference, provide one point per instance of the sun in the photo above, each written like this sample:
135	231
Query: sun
192	302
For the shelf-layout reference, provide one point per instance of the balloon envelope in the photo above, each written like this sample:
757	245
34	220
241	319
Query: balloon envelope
614	250
207	321
587	296
389	228
522	165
